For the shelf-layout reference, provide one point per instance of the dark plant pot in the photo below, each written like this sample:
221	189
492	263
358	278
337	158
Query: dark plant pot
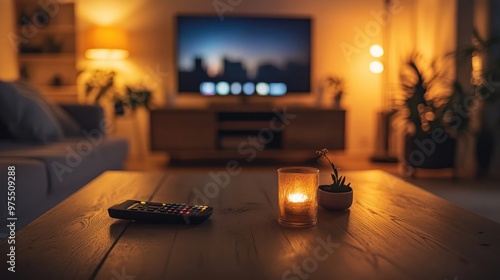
484	148
119	108
422	151
488	144
335	201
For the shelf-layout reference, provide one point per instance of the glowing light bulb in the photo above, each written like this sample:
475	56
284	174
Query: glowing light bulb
376	51
376	67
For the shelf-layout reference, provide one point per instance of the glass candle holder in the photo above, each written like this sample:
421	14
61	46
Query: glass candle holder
297	190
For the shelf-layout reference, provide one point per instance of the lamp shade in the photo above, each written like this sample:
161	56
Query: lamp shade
106	43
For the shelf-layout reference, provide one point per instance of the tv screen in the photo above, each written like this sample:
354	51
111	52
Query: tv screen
243	55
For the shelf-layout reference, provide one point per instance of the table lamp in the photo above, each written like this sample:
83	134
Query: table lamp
106	43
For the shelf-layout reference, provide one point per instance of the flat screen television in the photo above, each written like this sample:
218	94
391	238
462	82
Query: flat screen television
248	56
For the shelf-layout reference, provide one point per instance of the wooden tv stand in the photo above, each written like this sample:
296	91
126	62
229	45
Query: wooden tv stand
248	132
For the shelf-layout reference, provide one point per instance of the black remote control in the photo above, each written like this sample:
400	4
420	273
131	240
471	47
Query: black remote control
157	212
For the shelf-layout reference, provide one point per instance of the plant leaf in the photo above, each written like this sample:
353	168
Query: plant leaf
333	178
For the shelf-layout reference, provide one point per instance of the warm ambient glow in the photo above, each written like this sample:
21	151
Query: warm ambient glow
297	191
376	51
107	43
109	12
376	67
477	69
105	54
297	197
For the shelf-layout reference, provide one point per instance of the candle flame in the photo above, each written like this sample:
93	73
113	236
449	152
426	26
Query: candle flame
297	197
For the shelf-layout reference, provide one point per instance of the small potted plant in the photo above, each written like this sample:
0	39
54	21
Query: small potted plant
337	84
338	195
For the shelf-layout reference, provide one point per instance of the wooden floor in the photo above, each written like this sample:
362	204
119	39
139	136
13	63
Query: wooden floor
481	197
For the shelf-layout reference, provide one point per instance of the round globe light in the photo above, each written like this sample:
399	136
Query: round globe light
376	67
376	51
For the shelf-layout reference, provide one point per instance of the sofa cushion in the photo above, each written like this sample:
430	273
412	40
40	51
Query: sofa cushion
74	162
32	189
89	117
4	131
69	126
26	118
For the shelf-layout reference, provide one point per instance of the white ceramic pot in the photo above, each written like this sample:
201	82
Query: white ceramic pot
334	201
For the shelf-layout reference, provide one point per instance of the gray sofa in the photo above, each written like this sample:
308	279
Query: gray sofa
46	173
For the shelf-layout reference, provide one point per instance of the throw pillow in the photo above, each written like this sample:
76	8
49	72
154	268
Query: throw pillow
27	119
69	126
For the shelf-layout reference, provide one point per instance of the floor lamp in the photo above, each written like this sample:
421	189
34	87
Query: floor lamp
384	118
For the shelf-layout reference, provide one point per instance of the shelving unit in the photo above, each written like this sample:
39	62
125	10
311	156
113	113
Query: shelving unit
234	128
47	47
235	132
46	57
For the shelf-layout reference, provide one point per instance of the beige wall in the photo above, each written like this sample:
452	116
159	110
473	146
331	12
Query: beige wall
337	25
426	26
8	57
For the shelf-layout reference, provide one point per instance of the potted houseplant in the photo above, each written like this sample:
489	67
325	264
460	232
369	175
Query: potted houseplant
337	84
135	97
428	109
338	195
334	87
99	85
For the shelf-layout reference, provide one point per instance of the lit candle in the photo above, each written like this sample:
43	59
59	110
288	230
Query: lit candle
297	189
296	204
297	197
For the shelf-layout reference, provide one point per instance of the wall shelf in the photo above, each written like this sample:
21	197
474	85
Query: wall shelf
48	55
59	28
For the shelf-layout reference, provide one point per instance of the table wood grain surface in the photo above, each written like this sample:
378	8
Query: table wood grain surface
393	230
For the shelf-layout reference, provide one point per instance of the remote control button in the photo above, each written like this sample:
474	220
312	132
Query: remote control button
155	203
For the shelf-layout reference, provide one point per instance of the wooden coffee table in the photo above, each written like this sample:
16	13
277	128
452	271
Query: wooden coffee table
393	230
